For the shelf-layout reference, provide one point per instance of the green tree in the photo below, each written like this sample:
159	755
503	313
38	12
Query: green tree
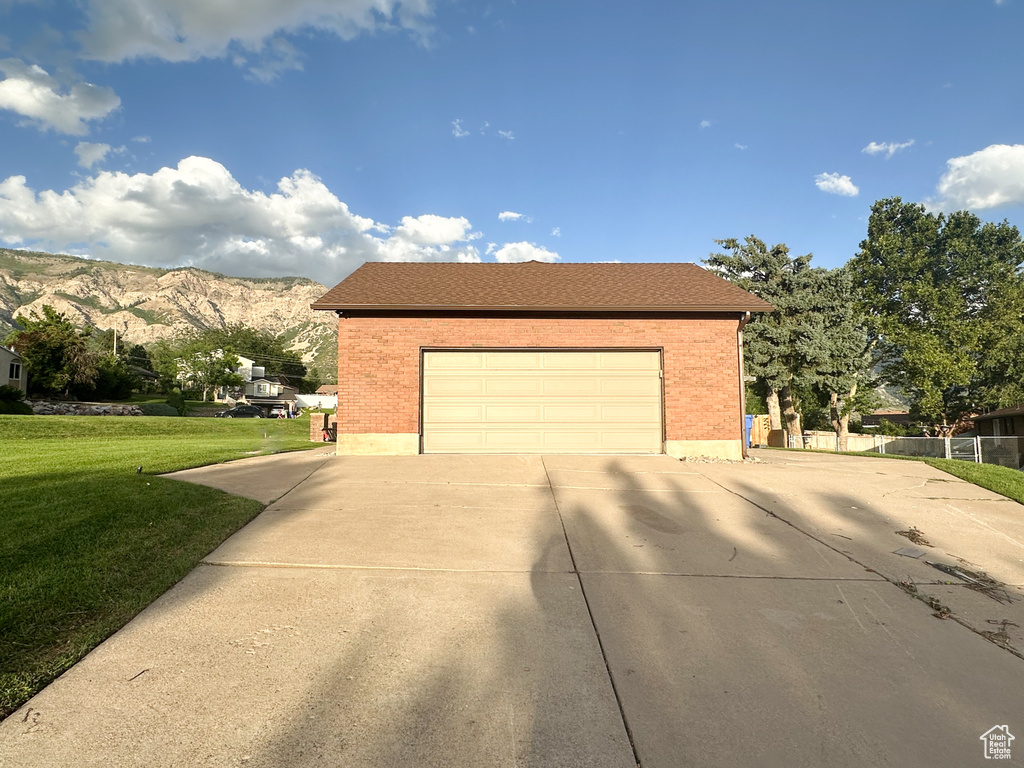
56	352
206	369
265	349
772	348
114	380
837	348
944	298
813	348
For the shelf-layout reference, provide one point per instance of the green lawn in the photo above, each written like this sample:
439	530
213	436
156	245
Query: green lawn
86	542
1002	480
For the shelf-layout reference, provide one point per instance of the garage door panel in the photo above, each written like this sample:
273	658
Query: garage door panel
536	402
457	360
632	361
513	441
453	414
566	386
572	413
519	386
630	386
632	414
576	441
571	360
628	441
520	361
467	441
513	413
453	386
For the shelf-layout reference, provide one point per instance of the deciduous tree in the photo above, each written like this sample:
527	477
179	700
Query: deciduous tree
55	351
945	299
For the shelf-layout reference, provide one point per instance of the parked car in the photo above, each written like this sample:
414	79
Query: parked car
278	412
242	412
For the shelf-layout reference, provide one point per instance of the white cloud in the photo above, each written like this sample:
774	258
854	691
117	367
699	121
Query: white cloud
890	148
509	216
835	184
435	230
705	124
197	214
142	139
29	91
89	154
276	57
457	130
988	178
510	252
507	135
556	232
249	31
740	146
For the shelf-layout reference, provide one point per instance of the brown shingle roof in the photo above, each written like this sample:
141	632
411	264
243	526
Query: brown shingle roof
1016	410
535	286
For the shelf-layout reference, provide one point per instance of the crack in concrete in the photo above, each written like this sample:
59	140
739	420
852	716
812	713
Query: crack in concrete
922	484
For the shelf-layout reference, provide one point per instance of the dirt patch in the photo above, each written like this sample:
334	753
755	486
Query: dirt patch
916	536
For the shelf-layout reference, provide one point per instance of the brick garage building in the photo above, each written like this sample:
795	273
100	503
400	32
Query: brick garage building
539	358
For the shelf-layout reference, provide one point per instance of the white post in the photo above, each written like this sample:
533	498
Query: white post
945	443
977	449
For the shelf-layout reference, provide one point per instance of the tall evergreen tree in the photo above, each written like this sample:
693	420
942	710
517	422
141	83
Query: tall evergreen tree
772	349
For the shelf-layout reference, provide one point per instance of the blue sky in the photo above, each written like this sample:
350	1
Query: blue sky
257	137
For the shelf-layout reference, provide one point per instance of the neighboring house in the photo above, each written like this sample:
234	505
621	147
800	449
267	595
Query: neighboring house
1006	423
539	358
248	370
269	391
327	389
12	369
892	416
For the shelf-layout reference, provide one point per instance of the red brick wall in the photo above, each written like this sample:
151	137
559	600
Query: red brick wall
320	421
379	365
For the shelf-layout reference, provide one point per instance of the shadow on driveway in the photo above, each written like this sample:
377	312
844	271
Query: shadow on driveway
422	611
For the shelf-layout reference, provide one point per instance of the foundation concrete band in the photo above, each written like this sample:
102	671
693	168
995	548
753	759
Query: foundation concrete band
402	444
409	445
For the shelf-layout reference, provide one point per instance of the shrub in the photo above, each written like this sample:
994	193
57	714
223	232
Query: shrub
15	407
158	409
176	400
11	394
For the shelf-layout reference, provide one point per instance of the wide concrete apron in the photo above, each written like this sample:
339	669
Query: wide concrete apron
477	611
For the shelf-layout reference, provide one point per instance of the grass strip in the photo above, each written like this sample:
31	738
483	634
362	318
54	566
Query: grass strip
86	541
1002	480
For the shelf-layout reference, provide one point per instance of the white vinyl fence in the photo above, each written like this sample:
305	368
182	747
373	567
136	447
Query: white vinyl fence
1005	451
316	401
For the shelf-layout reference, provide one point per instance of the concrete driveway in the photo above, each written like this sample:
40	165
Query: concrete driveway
565	611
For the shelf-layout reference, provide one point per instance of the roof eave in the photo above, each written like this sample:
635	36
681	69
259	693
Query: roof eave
514	308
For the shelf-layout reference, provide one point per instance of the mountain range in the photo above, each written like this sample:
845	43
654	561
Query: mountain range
145	304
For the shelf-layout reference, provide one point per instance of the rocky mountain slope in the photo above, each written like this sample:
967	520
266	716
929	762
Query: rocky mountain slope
145	304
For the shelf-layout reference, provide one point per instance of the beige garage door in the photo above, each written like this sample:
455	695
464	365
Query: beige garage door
542	402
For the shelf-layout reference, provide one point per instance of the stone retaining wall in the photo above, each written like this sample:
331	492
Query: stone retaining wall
47	408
